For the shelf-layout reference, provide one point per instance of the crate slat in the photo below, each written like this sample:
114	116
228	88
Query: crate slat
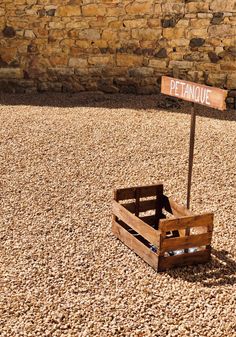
144	191
144	206
149	219
187	222
150	234
169	262
175	208
138	247
186	242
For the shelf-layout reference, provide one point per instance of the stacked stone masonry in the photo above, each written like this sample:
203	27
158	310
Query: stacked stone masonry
115	45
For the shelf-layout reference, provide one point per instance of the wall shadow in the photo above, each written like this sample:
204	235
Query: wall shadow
221	271
113	101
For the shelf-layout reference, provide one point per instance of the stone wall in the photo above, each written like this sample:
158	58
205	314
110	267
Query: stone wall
115	45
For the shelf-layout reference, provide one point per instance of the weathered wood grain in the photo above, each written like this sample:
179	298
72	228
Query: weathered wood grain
166	263
138	247
150	234
201	220
186	242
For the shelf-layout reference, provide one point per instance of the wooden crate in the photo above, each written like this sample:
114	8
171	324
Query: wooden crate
162	232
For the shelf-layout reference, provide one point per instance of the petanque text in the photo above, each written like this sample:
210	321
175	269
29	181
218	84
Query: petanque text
194	92
190	92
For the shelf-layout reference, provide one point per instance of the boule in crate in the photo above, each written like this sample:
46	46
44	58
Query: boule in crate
162	232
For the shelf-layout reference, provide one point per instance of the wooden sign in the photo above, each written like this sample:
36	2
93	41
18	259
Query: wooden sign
194	92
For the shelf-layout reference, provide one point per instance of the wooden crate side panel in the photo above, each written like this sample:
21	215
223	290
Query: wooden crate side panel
175	208
150	234
138	247
144	191
186	242
203	220
166	263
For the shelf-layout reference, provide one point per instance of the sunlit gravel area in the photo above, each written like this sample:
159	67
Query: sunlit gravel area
62	272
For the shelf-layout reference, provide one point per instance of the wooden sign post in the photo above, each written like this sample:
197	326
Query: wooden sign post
195	93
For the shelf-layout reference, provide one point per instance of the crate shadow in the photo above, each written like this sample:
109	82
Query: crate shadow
221	271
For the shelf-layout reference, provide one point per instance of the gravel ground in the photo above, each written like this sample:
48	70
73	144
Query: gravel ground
62	271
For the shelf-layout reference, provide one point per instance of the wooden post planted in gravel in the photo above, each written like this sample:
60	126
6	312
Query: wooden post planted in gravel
195	93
